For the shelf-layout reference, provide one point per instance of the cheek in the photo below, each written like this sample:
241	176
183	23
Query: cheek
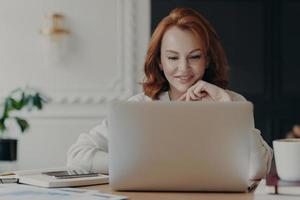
198	67
169	72
168	67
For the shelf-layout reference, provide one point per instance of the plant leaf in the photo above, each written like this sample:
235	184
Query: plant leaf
23	124
18	105
37	101
16	101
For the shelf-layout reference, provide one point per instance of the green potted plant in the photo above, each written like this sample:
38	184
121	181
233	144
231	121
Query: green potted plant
16	101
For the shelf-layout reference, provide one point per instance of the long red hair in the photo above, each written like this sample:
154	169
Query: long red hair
155	81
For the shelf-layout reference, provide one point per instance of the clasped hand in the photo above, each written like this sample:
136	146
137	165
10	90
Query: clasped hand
204	91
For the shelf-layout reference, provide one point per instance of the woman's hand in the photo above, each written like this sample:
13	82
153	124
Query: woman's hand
204	91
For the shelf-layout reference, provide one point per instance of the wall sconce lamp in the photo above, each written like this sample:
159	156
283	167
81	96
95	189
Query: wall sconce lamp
56	30
56	38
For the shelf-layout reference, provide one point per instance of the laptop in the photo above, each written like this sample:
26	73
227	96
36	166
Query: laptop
179	146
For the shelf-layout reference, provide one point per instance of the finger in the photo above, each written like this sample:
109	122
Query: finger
203	94
182	98
200	94
193	96
206	91
200	88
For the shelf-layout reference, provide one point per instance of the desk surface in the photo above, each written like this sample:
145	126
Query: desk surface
174	195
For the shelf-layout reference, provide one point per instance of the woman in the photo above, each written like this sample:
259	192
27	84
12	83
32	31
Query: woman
185	61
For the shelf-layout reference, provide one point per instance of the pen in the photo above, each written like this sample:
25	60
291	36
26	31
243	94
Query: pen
7	174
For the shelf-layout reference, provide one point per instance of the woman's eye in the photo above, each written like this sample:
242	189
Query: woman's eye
196	57
172	58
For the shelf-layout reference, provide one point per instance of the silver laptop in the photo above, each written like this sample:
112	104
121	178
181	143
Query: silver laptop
179	146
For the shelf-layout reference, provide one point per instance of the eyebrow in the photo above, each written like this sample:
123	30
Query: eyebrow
172	51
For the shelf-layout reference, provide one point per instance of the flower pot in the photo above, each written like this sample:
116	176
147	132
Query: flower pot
8	149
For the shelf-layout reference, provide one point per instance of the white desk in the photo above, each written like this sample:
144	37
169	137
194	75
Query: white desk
192	195
174	195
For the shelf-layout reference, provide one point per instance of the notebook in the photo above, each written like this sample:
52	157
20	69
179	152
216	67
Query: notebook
275	185
53	178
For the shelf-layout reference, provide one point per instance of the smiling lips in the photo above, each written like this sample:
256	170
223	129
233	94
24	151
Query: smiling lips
184	79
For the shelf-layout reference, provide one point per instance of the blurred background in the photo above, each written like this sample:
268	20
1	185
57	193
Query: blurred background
261	39
83	54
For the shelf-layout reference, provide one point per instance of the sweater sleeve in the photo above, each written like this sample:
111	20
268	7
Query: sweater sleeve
261	153
260	157
90	151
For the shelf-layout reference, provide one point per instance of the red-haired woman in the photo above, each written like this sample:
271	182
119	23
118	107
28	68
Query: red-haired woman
185	61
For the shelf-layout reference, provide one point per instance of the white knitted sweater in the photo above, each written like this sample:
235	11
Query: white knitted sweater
90	151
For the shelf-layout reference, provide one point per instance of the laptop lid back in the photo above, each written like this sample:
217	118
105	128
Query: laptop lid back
179	146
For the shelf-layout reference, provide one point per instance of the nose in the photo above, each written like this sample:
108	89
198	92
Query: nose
183	64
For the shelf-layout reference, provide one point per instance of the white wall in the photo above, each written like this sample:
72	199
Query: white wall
103	61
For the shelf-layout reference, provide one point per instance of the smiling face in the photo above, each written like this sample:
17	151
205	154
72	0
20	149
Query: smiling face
182	60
